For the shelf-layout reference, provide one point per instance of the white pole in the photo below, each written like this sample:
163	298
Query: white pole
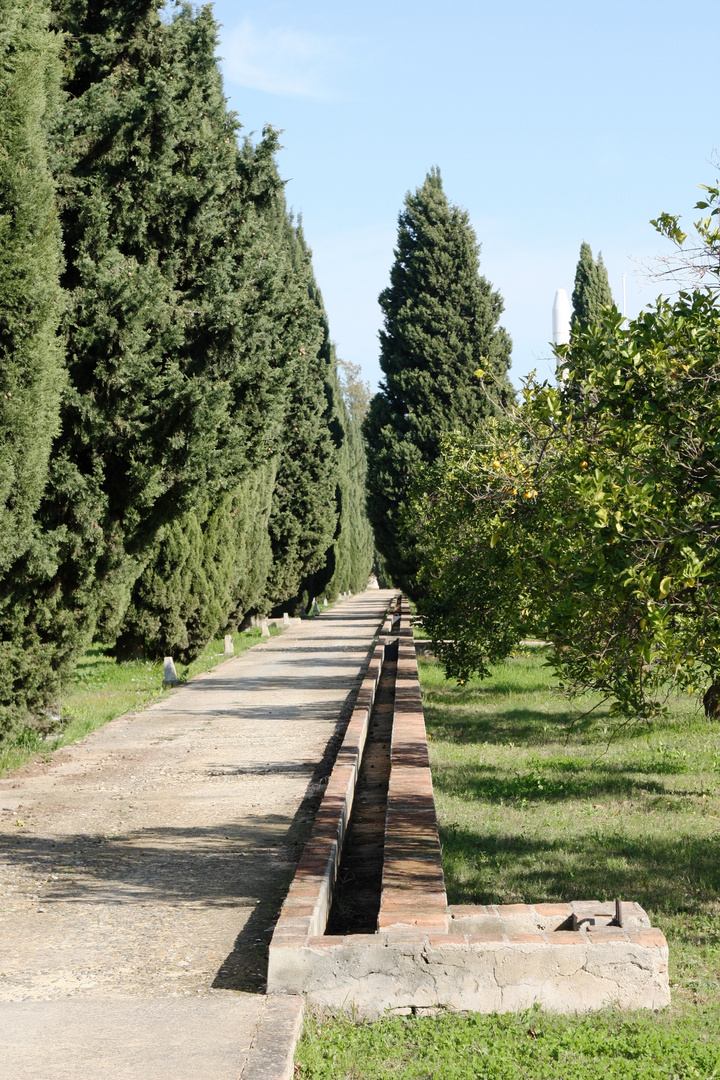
561	318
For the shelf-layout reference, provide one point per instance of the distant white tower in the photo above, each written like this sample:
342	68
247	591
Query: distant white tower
561	318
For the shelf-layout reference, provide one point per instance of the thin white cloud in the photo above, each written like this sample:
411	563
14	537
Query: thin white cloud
280	60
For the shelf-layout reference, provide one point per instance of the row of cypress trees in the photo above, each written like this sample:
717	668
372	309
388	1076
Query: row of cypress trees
176	451
445	360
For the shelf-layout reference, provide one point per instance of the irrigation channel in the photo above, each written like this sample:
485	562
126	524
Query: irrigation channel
358	888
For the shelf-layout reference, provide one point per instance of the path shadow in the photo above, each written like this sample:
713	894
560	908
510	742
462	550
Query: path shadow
231	864
243	684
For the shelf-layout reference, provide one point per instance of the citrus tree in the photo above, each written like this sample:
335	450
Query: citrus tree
592	516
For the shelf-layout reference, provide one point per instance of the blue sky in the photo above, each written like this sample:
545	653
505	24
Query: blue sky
552	123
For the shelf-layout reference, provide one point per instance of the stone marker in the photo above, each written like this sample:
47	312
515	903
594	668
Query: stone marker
170	677
264	628
286	619
229	647
324	601
315	608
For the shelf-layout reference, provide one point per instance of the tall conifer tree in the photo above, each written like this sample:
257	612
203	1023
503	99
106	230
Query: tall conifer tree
353	549
441	325
591	293
304	513
31	359
348	559
31	362
172	610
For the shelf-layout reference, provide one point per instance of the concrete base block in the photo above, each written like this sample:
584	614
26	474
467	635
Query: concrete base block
374	974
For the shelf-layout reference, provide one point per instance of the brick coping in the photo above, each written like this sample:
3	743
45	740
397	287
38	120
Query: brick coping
649	937
413	883
307	905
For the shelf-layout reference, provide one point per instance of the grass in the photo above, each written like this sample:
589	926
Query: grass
537	803
102	690
526	1046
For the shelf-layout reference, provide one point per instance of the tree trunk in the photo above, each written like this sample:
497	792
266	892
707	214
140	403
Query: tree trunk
711	700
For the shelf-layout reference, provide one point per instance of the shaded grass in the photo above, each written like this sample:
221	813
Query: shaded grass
102	689
542	801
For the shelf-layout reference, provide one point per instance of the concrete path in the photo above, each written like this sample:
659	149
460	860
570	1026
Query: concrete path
142	869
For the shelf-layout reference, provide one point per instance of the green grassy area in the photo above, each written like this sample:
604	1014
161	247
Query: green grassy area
102	689
538	803
522	1046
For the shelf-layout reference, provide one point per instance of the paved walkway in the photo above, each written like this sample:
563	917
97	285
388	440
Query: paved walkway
149	861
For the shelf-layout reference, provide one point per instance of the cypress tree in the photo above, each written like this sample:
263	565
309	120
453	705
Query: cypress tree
31	358
440	326
348	560
219	271
304	510
591	293
142	191
354	542
352	552
31	362
172	610
140	181
279	521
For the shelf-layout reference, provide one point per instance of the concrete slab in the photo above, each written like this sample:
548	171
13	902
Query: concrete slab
128	1039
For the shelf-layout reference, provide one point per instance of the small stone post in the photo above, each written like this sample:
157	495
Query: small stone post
170	677
264	628
286	619
315	608
229	647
